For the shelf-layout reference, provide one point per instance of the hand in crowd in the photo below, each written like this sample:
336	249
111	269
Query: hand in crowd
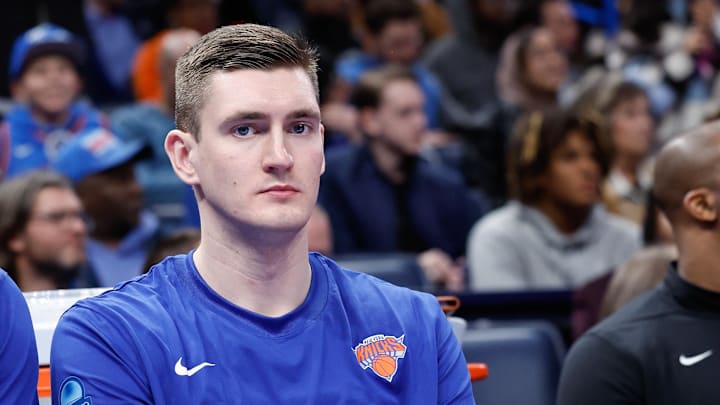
441	270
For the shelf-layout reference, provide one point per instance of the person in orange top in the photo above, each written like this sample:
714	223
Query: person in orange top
198	15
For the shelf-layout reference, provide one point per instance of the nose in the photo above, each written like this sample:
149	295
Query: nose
78	224
276	157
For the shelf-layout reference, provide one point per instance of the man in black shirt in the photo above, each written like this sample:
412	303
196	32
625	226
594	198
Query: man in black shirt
664	348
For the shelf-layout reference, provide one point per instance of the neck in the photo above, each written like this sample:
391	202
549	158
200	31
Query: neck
269	276
696	262
628	167
390	162
538	99
566	219
106	239
29	279
50	118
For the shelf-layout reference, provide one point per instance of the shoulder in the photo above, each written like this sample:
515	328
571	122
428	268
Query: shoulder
344	161
375	294
616	225
439	175
627	329
9	292
140	301
341	154
353	63
13	307
12	302
501	222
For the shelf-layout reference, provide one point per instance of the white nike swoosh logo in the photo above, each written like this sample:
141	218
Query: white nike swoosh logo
689	361
182	370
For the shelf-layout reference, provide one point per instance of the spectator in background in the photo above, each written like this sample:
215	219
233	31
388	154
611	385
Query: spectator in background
381	197
18	349
393	35
112	41
555	234
661	348
45	83
328	25
624	107
557	16
149	122
465	63
532	70
42	232
101	166
604	295
197	15
110	31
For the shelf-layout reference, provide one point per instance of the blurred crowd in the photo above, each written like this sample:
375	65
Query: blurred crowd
508	144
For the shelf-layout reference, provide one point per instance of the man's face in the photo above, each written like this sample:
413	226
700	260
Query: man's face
631	128
573	177
113	199
260	155
399	121
49	84
54	236
400	41
546	66
558	17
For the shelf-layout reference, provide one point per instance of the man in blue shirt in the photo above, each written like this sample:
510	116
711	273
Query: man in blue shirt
250	317
18	352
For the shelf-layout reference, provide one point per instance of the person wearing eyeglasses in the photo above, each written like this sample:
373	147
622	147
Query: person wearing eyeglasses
43	232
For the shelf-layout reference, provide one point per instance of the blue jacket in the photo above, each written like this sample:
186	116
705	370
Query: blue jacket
28	145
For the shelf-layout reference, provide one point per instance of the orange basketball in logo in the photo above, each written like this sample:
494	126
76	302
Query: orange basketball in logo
384	365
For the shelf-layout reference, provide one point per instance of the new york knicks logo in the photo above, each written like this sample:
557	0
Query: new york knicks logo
381	354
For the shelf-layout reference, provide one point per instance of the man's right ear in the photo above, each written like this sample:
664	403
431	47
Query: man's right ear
701	204
181	148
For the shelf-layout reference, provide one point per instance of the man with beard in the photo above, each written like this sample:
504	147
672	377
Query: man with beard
382	198
101	166
42	231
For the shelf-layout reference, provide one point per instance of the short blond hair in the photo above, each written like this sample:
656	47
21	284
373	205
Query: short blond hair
233	47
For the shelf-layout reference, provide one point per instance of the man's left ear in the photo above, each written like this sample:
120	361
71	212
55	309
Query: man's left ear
701	204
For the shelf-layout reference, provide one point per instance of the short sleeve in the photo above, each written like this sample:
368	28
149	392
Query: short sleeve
93	357
454	385
18	350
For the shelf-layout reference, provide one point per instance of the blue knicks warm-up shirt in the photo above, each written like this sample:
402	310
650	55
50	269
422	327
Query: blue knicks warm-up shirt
166	337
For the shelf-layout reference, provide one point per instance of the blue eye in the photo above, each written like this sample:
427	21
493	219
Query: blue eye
243	131
300	128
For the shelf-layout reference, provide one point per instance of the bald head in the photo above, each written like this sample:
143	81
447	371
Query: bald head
689	162
174	44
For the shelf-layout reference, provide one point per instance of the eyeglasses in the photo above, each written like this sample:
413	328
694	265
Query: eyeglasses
62	217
